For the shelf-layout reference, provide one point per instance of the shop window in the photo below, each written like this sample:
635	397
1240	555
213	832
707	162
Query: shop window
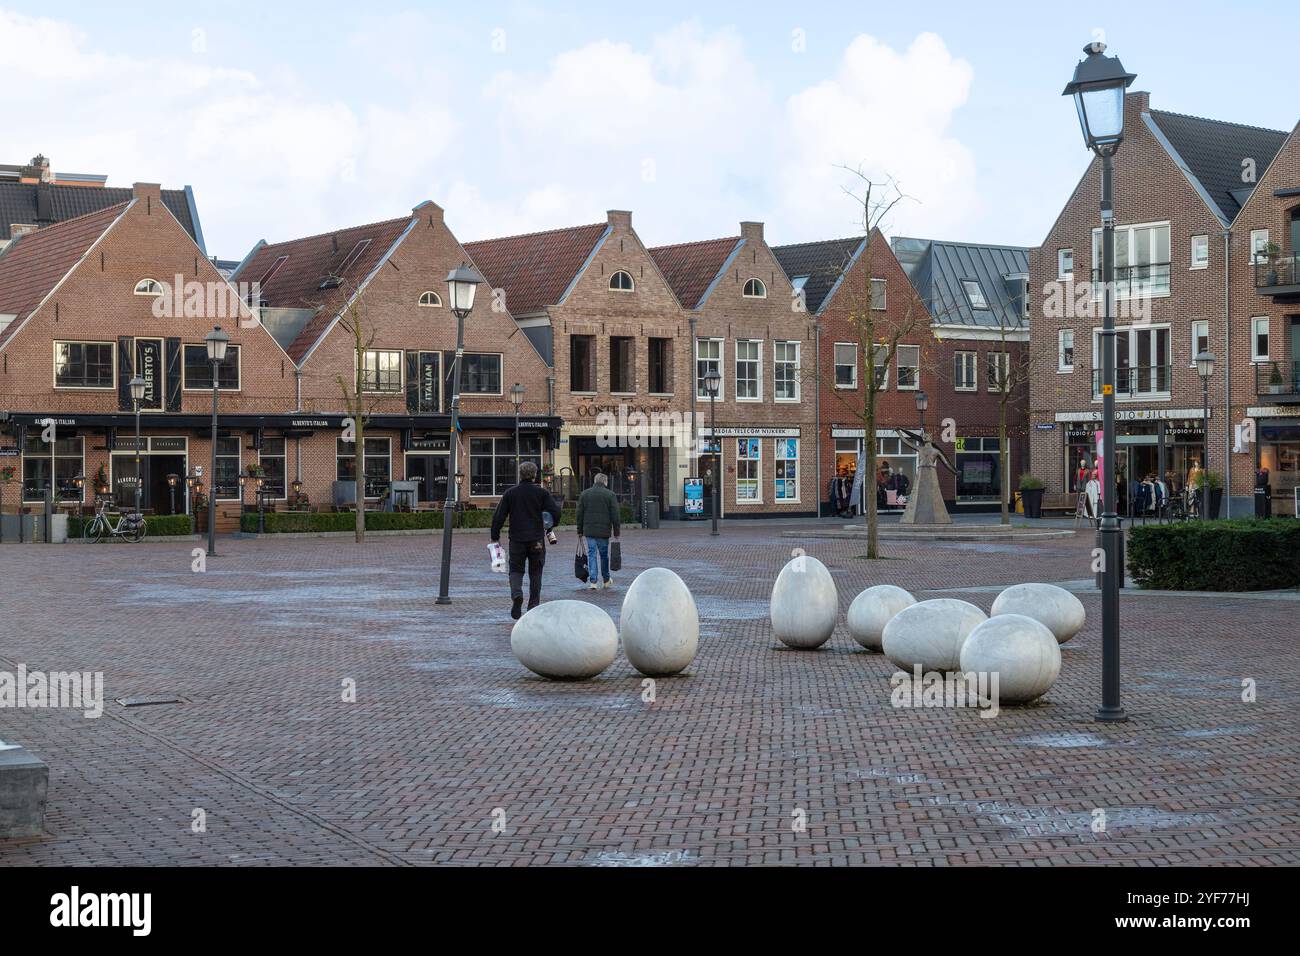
708	355
381	370
749	375
480	373
271	457
83	365
492	463
622	364
787	469
979	469
963	371
846	365
64	459
582	363
198	370
378	464
661	366
785	371
749	470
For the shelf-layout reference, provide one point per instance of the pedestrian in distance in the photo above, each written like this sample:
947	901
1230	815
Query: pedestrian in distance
597	523
523	507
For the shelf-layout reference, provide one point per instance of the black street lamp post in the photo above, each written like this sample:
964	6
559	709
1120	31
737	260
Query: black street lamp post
712	381
922	403
216	341
1098	90
516	399
137	386
462	283
1205	368
171	486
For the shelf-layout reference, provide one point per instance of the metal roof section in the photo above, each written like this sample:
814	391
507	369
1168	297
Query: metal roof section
940	272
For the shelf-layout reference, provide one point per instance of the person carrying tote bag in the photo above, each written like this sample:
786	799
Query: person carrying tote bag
597	523
580	563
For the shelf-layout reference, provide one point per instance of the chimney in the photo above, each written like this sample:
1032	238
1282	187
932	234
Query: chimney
37	171
1138	101
147	191
751	231
620	219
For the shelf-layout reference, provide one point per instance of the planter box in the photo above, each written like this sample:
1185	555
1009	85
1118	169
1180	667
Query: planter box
24	783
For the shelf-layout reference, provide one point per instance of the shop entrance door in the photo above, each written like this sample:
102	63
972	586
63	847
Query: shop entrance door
430	473
158	493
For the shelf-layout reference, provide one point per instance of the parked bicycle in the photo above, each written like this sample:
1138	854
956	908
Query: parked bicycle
130	526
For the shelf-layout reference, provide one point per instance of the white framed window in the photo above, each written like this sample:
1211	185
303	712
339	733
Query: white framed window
381	370
881	365
148	287
1065	263
878	295
1142	362
975	295
84	365
909	367
846	365
1200	252
754	289
1200	339
1065	350
1141	261
430	300
749	471
1259	344
709	355
963	371
786	468
999	370
1258	243
785	371
621	281
749	370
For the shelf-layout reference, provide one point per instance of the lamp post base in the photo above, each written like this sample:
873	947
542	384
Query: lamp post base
443	600
1113	715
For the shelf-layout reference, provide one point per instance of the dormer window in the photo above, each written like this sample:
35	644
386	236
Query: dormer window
148	287
975	295
430	300
754	289
621	282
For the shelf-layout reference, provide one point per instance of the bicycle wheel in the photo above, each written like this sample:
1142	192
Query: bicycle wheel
137	531
94	532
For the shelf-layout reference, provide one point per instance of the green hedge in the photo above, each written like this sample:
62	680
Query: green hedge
283	522
156	526
1239	555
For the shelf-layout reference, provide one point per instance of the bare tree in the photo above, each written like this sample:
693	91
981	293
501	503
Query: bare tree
355	400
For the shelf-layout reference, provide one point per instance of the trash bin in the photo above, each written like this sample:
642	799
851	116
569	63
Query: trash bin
650	512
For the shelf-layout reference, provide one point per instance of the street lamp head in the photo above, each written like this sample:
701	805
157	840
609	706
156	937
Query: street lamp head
712	380
460	478
517	395
922	401
1205	365
1098	90
172	479
216	341
190	481
138	385
296	485
79	481
243	480
462	282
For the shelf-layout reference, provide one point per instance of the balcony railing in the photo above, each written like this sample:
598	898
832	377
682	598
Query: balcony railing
1278	380
1136	380
1149	278
1280	273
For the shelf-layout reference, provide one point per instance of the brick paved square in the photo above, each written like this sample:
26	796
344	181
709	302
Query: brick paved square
449	735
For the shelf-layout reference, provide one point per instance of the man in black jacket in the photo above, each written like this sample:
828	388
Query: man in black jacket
523	506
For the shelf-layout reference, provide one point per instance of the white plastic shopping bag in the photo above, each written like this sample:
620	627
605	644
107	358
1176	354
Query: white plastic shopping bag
497	557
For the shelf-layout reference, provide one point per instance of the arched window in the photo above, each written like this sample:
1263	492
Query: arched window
430	300
621	282
148	287
754	289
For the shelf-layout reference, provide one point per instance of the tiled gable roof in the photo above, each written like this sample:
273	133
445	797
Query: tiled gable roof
24	203
937	270
1213	151
295	283
535	269
691	267
822	262
34	264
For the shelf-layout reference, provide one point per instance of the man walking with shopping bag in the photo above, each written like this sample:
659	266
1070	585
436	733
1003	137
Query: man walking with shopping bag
598	522
524	506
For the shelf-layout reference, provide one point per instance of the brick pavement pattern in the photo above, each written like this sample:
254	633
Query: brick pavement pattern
449	735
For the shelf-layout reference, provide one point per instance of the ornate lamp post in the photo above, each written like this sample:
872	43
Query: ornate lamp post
1205	368
922	403
137	386
712	381
462	283
172	481
261	502
1098	90
516	399
243	483
216	341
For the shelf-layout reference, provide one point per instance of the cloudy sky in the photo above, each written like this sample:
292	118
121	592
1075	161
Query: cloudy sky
294	118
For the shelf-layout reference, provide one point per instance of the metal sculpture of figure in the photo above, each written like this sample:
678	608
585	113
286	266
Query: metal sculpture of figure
926	505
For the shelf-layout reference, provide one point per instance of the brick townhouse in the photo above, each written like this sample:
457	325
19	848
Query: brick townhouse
1265	317
978	300
1180	184
838	279
390	280
748	323
595	301
90	302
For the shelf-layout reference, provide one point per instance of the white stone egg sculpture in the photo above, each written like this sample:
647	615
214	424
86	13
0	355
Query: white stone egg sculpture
872	610
1021	651
930	633
659	624
1056	608
565	640
805	604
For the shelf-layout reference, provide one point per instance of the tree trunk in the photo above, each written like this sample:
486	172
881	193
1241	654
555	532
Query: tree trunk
869	479
1004	458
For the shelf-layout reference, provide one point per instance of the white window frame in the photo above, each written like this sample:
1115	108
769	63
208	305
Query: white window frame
777	362
836	364
54	366
881	303
401	372
972	366
759	284
1258	239
1129	330
882	362
1061	271
1199	327
757	480
758	370
1202	262
429	300
1256	321
149	287
285	458
211	482
970	297
239	363
721	361
776	459
621	272
1128	234
898	358
1002	360
1061	364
